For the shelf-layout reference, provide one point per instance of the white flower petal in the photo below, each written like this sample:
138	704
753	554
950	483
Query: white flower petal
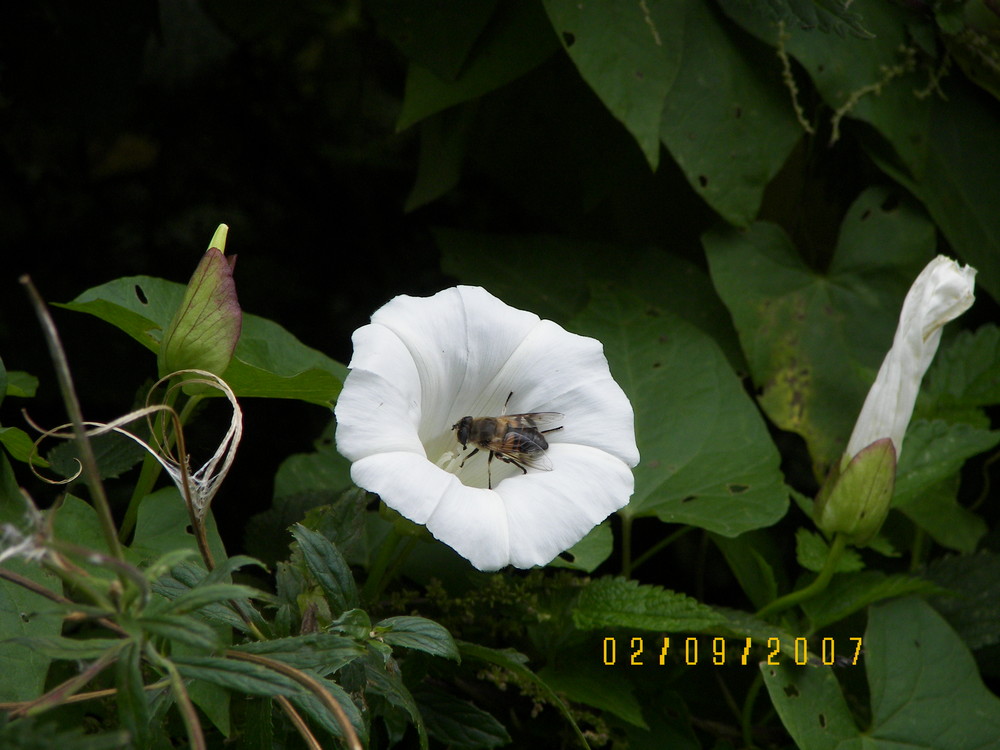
942	292
470	520
458	339
601	413
424	364
549	512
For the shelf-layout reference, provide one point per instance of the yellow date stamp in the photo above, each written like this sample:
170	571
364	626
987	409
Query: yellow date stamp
720	651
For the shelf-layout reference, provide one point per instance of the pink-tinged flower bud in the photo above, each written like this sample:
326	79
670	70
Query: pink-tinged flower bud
206	327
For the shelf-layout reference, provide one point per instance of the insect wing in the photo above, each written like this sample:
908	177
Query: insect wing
540	420
538	461
523	447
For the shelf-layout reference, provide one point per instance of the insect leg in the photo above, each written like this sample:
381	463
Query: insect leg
507	402
509	460
554	429
474	452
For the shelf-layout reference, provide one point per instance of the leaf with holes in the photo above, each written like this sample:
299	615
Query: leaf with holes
629	54
814	339
706	457
269	362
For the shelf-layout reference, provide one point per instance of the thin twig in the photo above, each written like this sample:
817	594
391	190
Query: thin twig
300	724
314	687
87	458
196	736
60	693
53	596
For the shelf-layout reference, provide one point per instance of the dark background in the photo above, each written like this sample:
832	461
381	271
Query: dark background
129	129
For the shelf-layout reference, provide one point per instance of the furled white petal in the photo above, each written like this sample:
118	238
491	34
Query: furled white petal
942	292
425	363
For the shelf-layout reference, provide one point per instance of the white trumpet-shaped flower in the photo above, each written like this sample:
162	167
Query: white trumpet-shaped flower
425	363
942	292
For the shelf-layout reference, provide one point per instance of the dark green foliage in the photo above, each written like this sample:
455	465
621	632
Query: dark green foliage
733	196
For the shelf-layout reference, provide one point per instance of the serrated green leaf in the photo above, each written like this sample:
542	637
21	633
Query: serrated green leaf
329	568
814	340
966	371
628	54
418	633
130	696
849	592
60	647
220	613
114	452
811	551
235	675
937	512
323	653
745	625
187	630
203	595
934	451
456	723
312	706
387	682
621	603
707	459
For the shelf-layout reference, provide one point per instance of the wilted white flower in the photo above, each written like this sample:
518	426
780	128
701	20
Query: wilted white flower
942	292
425	363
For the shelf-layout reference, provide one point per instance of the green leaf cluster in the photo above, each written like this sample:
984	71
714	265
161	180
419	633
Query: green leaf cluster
734	197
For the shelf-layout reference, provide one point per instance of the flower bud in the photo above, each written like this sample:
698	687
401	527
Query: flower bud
856	501
206	327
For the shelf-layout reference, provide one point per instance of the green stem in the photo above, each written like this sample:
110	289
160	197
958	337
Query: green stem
627	546
665	542
819	583
917	552
377	578
746	719
87	459
151	468
401	558
189	715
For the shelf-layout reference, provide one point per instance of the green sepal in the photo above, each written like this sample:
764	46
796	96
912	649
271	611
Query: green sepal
206	327
856	501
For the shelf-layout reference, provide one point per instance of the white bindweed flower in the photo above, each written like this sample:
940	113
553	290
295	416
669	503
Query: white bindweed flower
942	292
425	363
